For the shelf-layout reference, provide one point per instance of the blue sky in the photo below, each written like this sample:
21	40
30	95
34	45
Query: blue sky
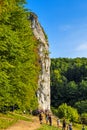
65	23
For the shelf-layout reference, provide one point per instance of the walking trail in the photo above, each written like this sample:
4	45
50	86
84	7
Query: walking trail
26	125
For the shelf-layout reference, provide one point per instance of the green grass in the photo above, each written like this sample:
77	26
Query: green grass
78	127
47	127
7	120
4	123
19	116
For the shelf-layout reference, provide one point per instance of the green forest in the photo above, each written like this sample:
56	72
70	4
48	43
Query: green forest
19	67
69	84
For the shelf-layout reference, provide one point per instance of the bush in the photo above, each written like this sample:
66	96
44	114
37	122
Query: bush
84	118
68	112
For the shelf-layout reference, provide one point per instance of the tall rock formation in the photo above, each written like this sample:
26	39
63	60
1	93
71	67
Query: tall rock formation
43	92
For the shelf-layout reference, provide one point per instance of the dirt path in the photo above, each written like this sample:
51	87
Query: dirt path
26	125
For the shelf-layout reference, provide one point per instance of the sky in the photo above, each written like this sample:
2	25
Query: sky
65	23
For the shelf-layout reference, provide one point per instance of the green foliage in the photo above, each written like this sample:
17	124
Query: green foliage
19	68
68	81
68	112
54	111
84	118
81	106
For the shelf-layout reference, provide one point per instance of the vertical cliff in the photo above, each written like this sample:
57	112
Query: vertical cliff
43	92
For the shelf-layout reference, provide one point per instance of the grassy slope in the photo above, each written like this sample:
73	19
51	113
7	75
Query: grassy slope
46	127
7	120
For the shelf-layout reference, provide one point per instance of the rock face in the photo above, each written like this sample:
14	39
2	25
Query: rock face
43	92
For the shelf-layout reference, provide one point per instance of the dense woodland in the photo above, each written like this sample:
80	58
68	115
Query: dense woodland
19	67
69	83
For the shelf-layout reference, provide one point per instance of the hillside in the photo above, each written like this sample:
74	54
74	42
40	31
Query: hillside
69	82
28	122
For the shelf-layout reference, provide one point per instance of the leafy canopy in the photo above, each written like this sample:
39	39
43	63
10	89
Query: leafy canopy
19	67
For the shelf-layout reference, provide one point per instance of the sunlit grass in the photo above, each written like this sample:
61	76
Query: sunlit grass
7	120
78	127
47	127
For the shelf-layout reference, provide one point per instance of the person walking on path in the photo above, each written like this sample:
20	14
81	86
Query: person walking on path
50	119
64	125
40	117
47	117
70	126
83	127
58	122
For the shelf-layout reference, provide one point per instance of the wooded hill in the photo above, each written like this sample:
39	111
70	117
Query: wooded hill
69	83
19	67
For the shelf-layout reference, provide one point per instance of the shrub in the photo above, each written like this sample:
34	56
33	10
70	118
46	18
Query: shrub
68	112
84	118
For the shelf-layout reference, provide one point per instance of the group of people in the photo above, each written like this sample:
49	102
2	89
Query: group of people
64	125
69	126
48	118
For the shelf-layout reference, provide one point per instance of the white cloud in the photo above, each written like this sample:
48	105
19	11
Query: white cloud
82	47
